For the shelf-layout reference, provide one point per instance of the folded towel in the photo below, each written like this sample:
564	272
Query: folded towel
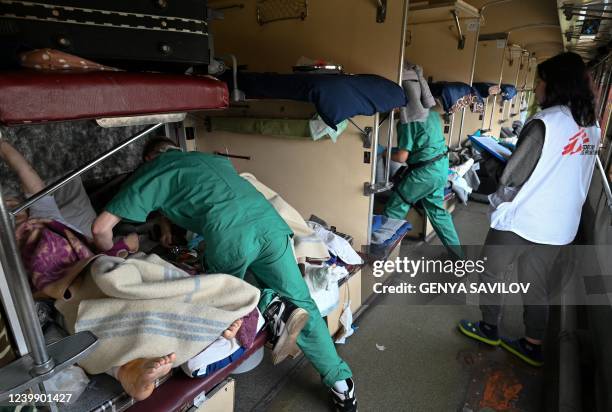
386	231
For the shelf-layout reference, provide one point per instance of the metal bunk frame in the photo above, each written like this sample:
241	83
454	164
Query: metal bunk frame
481	12
370	188
38	361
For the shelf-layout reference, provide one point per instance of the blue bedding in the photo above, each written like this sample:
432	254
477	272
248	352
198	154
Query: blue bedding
454	95
490	145
386	231
337	97
483	89
508	91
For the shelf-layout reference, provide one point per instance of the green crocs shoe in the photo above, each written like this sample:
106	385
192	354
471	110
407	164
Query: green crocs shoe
472	330
524	351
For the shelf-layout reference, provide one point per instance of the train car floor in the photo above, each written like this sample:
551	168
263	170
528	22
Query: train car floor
411	357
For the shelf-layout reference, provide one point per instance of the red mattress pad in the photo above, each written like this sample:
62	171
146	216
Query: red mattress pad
178	392
36	97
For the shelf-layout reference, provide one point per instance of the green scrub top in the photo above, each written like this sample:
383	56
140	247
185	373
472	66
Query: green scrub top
204	194
423	140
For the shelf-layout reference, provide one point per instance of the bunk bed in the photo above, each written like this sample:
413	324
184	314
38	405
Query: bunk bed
29	97
455	97
487	90
337	97
118	98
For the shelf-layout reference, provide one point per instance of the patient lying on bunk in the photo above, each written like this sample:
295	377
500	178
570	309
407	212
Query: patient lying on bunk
56	246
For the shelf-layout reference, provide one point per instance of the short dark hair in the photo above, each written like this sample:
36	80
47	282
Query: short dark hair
568	83
155	144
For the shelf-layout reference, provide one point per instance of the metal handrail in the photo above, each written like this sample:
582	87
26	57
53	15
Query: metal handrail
605	182
17	279
400	71
42	366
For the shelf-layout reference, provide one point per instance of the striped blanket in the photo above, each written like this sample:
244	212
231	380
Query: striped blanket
145	307
306	243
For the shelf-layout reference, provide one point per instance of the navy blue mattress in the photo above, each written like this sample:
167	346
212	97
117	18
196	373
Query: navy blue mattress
455	95
483	88
508	91
337	97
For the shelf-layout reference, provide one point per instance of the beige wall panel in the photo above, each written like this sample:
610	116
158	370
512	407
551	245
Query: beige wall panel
488	62
472	123
343	31
434	46
321	178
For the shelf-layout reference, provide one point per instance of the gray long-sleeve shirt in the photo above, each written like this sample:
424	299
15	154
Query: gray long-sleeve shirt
526	155
522	163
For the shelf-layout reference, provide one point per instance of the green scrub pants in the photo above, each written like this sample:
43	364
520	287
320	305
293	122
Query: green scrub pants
427	185
275	269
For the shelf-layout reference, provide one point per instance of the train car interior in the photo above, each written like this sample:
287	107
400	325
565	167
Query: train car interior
234	205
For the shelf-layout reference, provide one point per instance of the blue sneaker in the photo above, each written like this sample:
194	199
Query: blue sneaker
474	330
527	352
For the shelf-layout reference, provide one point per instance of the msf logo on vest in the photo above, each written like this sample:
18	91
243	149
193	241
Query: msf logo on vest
578	144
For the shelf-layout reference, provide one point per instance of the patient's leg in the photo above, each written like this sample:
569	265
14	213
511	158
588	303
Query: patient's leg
138	376
232	330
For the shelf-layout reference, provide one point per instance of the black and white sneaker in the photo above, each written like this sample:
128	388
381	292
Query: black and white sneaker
347	401
285	321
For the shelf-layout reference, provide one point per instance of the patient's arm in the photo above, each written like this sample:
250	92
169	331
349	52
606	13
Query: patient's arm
30	181
166	231
102	230
400	156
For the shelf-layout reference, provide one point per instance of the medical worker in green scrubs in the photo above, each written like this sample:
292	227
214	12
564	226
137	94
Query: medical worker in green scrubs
421	144
242	231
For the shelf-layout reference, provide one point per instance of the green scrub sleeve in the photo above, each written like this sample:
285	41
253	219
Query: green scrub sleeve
136	199
406	135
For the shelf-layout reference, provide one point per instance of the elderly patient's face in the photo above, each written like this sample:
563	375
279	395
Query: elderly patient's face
19	217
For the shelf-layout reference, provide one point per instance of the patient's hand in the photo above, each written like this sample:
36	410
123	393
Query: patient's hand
132	242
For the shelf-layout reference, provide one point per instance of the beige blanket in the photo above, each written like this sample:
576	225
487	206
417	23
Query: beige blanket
306	243
144	307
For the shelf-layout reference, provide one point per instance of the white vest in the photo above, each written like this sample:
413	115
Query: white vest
547	207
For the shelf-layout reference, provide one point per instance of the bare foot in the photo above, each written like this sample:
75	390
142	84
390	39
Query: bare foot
138	376
232	330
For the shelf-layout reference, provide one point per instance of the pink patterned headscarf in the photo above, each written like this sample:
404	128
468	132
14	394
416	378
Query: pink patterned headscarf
50	248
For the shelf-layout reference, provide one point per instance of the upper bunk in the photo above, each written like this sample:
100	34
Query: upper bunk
337	97
30	96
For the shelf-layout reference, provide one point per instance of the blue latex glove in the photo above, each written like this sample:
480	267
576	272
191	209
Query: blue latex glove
380	149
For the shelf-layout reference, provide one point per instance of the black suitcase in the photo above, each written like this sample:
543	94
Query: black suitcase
166	35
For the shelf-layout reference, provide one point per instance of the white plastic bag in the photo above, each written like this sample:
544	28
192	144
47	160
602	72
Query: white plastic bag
71	380
346	320
322	283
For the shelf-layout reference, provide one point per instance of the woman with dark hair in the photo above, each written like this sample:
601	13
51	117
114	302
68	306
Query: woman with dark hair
536	208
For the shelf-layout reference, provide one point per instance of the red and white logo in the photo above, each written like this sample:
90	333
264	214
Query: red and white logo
576	143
